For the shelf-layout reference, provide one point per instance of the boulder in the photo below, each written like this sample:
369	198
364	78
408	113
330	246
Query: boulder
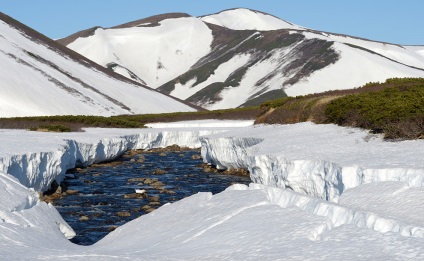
135	195
83	218
154	199
123	214
159	172
196	157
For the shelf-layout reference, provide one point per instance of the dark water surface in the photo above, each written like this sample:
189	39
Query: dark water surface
103	200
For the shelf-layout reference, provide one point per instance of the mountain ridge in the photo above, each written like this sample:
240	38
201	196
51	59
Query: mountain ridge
38	66
284	68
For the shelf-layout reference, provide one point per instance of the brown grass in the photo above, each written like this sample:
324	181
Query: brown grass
406	121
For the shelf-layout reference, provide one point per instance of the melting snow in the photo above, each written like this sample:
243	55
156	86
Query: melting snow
374	190
183	91
354	68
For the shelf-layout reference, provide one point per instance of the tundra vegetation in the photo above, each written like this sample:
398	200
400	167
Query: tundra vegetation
394	108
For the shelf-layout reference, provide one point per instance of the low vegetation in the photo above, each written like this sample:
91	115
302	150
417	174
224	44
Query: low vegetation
396	111
66	123
248	113
394	108
52	128
75	123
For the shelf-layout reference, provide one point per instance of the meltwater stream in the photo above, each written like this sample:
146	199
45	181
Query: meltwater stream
103	196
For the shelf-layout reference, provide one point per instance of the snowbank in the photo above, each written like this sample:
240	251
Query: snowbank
201	123
355	196
319	160
36	159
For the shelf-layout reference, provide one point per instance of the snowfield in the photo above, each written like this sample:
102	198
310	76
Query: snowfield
365	67
39	80
155	54
320	192
184	91
246	19
167	56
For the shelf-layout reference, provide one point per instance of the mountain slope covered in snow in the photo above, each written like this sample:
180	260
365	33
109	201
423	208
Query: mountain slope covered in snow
242	57
148	51
247	19
41	77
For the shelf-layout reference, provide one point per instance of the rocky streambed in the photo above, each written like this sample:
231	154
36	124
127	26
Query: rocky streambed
98	199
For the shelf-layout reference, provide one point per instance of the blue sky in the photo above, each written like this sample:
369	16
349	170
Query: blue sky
394	21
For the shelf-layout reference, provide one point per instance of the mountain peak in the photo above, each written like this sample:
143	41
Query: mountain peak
152	20
242	57
59	81
248	19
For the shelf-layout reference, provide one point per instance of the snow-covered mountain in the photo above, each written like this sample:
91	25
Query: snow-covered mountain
241	57
247	19
41	77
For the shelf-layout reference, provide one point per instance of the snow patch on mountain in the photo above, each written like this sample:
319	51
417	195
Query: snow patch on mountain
355	68
408	55
40	80
184	91
246	19
416	49
155	54
248	86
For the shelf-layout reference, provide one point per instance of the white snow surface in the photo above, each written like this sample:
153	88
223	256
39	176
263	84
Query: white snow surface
236	96
408	55
161	54
184	91
354	68
155	54
30	87
373	212
246	19
201	123
321	160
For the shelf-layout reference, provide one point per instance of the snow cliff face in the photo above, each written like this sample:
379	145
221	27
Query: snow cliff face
243	57
23	175
41	77
55	156
315	159
372	217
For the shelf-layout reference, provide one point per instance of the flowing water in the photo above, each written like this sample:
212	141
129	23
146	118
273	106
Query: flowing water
104	195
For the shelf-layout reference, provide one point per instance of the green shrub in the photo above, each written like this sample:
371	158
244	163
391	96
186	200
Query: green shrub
388	110
52	128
